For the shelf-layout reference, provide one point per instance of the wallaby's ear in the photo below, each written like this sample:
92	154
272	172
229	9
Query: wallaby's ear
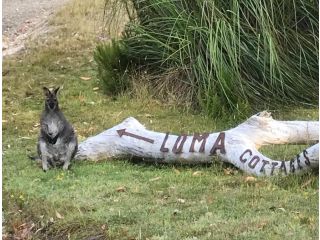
46	91
56	90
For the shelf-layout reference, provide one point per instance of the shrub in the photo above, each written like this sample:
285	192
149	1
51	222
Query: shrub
232	52
112	67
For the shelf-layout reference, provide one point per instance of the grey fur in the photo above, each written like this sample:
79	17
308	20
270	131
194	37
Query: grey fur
57	143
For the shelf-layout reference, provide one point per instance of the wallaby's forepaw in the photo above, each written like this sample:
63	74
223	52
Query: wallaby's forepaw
65	167
44	167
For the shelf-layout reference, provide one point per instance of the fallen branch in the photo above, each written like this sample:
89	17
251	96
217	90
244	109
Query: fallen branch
238	146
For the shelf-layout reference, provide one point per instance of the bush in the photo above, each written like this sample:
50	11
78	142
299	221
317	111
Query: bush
232	53
112	67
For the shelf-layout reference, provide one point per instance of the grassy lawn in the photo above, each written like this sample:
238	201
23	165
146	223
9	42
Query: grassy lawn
125	199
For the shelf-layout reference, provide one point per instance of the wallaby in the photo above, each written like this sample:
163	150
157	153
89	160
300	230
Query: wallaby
57	143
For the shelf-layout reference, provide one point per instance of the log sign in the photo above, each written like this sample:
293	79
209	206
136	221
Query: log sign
247	157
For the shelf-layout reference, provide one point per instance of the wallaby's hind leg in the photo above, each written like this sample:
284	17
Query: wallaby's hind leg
71	148
44	155
45	163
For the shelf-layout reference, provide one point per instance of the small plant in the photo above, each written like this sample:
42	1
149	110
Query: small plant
112	67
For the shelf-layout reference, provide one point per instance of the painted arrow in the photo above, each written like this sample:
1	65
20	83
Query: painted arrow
122	132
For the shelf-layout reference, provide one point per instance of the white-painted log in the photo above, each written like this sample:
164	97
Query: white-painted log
238	146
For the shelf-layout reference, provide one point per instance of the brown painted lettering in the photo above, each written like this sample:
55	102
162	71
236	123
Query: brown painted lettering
163	148
254	161
219	144
199	138
177	148
298	162
241	157
265	162
307	161
283	167
292	168
274	164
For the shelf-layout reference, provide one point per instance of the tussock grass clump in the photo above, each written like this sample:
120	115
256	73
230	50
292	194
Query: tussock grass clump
112	67
231	53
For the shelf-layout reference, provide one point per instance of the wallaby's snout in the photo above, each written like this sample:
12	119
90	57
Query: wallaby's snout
52	103
51	134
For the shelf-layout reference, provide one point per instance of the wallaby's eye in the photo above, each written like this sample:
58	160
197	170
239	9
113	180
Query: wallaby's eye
44	127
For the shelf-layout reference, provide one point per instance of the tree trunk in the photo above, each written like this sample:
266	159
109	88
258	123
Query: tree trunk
238	146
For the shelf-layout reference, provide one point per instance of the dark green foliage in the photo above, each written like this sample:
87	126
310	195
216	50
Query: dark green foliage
232	52
112	67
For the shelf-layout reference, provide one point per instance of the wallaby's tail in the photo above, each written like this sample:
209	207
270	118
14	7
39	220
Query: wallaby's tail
34	158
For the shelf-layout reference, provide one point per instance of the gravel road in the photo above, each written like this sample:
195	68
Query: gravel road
21	17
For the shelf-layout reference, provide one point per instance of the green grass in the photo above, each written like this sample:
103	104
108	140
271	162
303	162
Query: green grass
126	199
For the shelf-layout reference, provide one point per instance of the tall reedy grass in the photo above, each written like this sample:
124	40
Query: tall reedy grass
233	54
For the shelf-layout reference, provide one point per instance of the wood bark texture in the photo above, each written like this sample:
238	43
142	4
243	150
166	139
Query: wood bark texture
238	146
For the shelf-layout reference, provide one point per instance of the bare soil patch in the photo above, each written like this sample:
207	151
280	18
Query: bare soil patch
23	18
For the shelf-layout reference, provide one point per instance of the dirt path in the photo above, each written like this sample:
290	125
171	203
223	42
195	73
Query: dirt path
21	18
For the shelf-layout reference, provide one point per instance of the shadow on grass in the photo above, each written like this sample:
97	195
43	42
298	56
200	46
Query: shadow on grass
37	218
303	181
215	164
